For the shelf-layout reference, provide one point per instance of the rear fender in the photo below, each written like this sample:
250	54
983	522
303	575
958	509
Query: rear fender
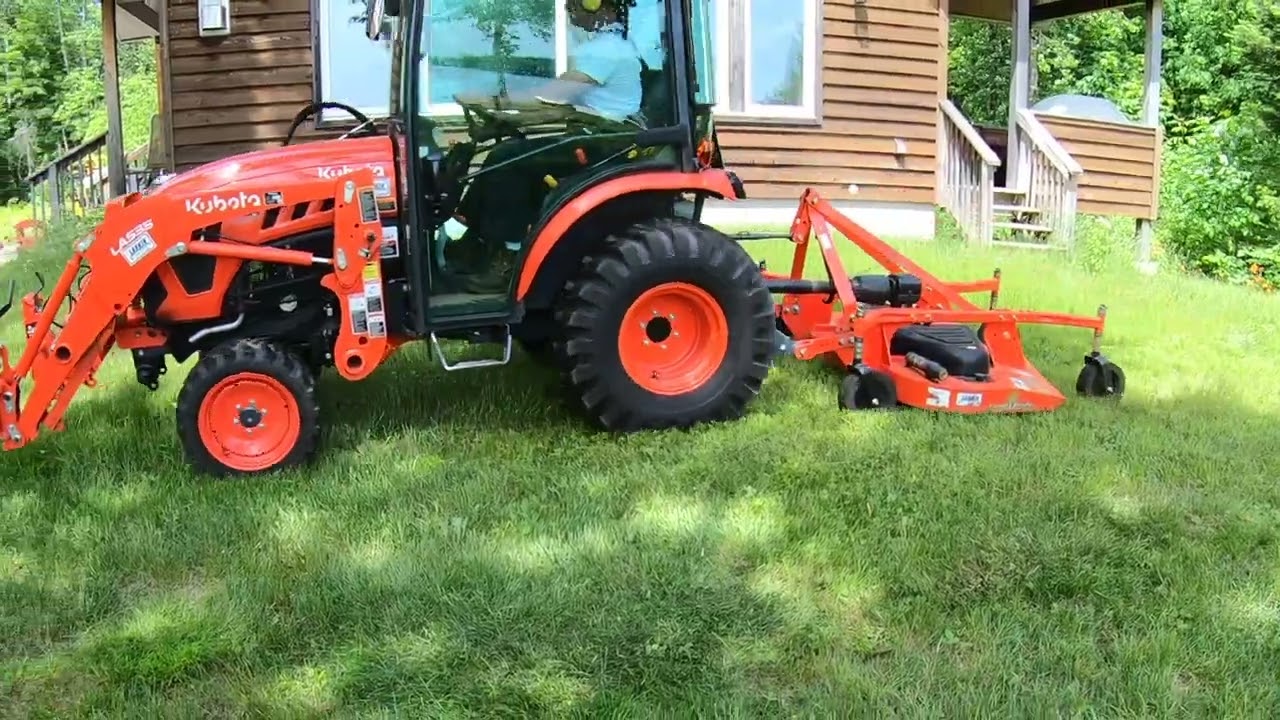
716	183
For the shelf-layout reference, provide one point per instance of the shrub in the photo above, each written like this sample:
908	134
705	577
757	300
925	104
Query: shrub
1219	200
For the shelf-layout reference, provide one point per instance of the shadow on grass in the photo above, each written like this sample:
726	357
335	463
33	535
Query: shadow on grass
465	546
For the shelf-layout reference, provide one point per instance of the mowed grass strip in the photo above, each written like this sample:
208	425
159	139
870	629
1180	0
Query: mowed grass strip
464	546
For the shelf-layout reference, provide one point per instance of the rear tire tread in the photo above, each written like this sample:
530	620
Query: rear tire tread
640	257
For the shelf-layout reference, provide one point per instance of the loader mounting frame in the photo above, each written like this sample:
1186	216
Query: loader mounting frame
859	337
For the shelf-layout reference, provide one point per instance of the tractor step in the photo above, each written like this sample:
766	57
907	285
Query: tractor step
474	364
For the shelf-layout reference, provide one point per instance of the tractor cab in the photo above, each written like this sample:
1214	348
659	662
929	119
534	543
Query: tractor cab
493	145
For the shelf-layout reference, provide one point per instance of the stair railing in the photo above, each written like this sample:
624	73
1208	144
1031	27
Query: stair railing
1051	179
77	181
968	175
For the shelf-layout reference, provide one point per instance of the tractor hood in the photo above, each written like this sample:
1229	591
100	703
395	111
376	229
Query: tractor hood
295	163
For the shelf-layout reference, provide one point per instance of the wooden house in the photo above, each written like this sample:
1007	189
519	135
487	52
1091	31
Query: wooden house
848	96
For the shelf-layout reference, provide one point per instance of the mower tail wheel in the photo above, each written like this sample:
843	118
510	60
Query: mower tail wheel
671	325
1100	378
249	406
868	390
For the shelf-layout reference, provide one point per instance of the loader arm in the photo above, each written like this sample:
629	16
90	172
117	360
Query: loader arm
137	236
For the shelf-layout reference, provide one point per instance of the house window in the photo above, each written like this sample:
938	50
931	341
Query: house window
767	58
350	68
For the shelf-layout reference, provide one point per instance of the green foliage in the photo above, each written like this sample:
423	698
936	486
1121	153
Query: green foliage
1219	198
1100	54
1097	249
51	85
979	52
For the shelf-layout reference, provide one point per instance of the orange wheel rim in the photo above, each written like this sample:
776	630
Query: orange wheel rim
249	422
673	339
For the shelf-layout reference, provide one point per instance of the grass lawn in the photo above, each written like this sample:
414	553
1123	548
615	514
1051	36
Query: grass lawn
464	547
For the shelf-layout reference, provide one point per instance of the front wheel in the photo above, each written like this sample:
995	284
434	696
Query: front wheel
248	406
670	326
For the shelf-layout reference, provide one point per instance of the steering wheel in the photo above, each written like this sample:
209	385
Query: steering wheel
364	128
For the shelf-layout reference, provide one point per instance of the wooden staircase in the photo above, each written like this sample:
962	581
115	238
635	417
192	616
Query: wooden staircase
1039	213
1017	222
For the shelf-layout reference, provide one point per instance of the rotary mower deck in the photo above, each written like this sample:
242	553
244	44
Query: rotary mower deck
906	337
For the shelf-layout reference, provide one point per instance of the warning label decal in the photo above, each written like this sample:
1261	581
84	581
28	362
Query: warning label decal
359	313
390	242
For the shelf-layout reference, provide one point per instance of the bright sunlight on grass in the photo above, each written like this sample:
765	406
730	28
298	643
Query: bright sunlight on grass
465	547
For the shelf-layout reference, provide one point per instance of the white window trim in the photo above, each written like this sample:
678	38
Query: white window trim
735	58
325	90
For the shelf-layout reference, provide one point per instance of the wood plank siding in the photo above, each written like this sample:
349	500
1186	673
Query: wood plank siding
883	65
238	93
1121	164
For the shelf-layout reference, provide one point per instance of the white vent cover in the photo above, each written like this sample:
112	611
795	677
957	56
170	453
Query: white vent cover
215	17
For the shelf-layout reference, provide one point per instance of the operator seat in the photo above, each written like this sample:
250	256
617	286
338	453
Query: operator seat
655	102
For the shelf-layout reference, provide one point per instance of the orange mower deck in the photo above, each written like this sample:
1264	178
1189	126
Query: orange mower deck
906	338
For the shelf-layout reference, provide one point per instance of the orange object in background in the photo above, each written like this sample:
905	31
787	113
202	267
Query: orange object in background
28	232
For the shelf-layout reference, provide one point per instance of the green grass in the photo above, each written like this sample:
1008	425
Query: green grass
464	547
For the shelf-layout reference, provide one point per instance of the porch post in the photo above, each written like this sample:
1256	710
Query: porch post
1019	88
1151	118
115	124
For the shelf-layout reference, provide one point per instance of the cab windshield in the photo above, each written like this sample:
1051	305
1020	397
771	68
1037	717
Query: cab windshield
487	48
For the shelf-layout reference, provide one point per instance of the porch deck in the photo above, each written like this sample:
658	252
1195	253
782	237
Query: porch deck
1032	177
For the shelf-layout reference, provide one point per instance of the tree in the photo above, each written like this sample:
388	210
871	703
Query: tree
496	20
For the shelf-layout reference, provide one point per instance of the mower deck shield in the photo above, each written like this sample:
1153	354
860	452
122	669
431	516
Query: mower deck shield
946	366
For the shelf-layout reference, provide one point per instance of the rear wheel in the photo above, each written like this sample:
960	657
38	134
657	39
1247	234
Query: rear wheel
670	326
248	406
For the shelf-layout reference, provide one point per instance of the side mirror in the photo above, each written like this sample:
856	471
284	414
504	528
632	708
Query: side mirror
373	20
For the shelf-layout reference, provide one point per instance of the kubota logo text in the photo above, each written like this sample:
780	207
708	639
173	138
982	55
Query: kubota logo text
217	203
329	173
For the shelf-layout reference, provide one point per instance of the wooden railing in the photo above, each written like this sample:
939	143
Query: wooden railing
968	175
76	182
1051	179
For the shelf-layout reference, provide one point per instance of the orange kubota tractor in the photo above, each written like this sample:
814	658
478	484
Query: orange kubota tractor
577	236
